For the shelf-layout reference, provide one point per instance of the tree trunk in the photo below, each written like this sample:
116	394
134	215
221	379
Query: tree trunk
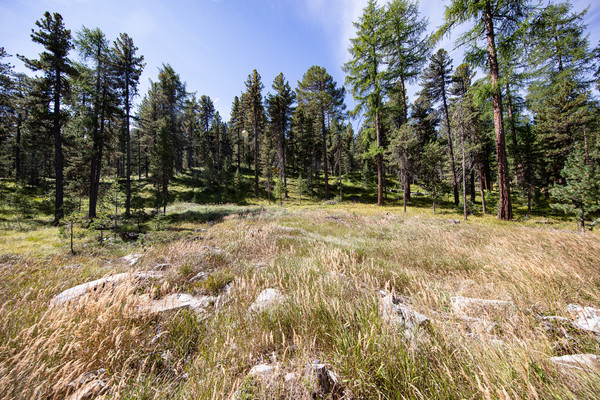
18	171
379	163
464	174
128	151
325	167
450	150
58	153
504	205
255	158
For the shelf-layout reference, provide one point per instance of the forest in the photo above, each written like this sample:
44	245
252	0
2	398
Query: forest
430	238
525	130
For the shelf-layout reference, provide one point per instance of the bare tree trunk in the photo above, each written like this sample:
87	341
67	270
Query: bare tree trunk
58	154
504	205
325	167
379	164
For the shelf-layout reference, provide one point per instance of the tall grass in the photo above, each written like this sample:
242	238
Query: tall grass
330	263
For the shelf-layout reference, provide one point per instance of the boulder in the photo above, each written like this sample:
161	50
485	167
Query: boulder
88	386
586	318
266	300
394	312
577	361
263	370
176	301
79	291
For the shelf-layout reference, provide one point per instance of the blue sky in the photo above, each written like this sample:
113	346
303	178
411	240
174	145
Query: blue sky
215	44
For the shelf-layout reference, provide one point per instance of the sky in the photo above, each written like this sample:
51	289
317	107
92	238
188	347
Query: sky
215	44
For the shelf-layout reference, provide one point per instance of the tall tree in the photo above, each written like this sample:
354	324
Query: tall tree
279	107
367	77
436	80
127	68
490	18
255	116
94	47
324	100
56	66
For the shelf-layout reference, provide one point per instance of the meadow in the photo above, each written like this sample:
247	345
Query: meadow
331	261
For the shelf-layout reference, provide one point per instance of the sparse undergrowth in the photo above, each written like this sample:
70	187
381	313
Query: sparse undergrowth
330	263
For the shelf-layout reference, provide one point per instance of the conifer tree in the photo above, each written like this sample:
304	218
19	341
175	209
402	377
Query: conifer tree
323	100
580	193
490	19
127	68
254	116
56	66
436	81
367	77
279	108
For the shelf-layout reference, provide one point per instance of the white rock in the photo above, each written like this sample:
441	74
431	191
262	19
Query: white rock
89	390
290	376
268	298
262	370
131	259
78	291
177	301
325	380
586	318
577	361
481	307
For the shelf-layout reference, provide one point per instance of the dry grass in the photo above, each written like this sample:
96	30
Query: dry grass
330	264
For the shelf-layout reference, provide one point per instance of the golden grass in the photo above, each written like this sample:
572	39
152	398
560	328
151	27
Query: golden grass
329	262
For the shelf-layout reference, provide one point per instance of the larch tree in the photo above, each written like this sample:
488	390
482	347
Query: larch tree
127	68
56	67
490	19
367	77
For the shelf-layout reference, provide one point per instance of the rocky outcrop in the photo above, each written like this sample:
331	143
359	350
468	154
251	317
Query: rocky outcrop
586	318
579	362
266	300
400	315
478	308
176	301
74	293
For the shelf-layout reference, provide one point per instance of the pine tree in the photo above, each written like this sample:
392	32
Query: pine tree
279	108
255	116
127	68
324	100
436	81
93	46
580	194
56	66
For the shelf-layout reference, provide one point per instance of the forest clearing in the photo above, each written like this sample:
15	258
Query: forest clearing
420	229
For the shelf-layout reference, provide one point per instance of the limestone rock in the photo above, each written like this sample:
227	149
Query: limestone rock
88	385
131	259
577	361
89	390
263	370
401	315
267	299
472	307
78	291
177	301
586	318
